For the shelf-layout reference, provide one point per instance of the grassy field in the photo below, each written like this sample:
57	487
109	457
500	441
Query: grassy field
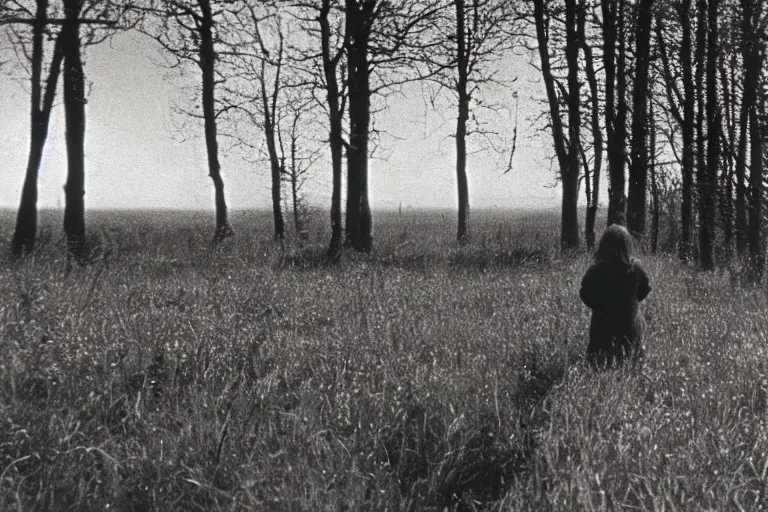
421	377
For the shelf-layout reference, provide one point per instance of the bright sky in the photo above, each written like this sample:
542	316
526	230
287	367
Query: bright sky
136	157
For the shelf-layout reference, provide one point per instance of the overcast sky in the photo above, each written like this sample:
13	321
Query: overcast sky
137	158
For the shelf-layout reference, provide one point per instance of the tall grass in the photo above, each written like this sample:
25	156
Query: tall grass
424	376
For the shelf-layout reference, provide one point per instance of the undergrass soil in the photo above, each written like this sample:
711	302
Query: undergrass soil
424	376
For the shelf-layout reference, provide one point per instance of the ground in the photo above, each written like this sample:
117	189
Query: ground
167	376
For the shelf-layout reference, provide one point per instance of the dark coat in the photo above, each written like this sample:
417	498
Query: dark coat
613	291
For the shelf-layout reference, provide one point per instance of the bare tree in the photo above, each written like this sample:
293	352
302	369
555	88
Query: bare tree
636	199
42	99
297	157
74	109
363	50
754	37
61	24
259	66
707	174
727	67
655	192
383	51
566	147
360	15
614	62
271	87
678	97
193	32
751	16
331	56
756	194
462	58
324	22
593	187
271	124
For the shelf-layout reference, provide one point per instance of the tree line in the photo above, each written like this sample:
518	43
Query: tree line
673	92
665	97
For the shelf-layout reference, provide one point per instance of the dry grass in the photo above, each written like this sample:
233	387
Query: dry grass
423	377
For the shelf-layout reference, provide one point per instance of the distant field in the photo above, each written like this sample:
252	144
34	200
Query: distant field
424	376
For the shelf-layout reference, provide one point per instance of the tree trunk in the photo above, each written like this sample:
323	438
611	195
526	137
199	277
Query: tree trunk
330	64
654	181
597	134
729	135
686	119
615	146
756	192
636	200
462	64
74	109
568	159
755	242
462	234
277	211
700	152
207	66
359	222
24	235
618	162
569	235
295	199
708	175
268	106
686	213
336	162
295	175
617	200
542	36
748	48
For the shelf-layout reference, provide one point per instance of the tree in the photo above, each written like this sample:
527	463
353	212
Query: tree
102	17
383	50
324	22
359	20
296	160
268	85
708	174
728	65
566	148
463	56
754	36
756	195
260	68
655	192
685	119
593	187
269	111
42	100
569	238
474	37
331	56
74	109
189	32
614	62
636	200
364	49
751	59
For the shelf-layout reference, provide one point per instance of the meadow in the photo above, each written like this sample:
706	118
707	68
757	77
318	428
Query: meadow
168	376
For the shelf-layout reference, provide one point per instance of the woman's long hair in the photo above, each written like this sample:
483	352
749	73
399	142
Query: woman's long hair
615	246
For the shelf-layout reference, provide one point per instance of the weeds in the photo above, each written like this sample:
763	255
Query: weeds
424	376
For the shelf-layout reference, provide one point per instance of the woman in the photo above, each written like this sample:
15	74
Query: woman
613	288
